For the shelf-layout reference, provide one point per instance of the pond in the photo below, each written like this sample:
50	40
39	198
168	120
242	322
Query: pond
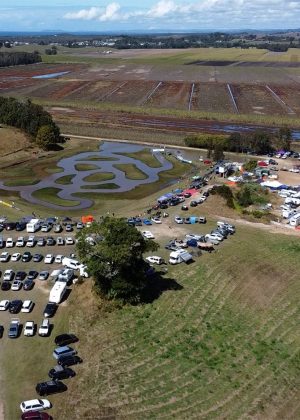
109	155
50	75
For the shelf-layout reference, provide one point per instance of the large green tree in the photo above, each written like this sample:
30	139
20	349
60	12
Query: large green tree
115	260
46	137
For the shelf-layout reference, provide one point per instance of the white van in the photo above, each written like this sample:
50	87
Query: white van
33	225
295	220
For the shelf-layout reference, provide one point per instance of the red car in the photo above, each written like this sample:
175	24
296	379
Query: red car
36	415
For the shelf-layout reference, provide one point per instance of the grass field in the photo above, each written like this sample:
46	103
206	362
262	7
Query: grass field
99	177
224	345
50	195
131	171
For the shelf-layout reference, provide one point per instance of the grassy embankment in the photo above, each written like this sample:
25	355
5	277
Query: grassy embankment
131	171
226	344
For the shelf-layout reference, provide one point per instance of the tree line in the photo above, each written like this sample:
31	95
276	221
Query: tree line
17	58
32	119
258	142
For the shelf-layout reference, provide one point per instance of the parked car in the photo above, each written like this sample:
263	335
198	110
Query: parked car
153	259
20	275
44	329
50	309
20	226
147	234
50	387
37	258
63	351
41	242
59	372
27	306
35	405
184	208
36	415
28	284
69	240
29	329
58	259
48	259
179	220
20	242
9	243
4	257
57	228
46	228
31	242
32	274
69	360
50	241
14	328
69	228
26	257
60	241
15	257
217	235
8	275
187	195
65	339
147	222
193	203
192	243
156	220
79	225
4	305
43	275
5	286
16	285
193	236
15	306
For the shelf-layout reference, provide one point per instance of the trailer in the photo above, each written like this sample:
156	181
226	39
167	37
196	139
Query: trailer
57	292
206	246
179	256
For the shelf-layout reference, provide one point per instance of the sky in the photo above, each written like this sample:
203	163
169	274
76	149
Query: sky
145	15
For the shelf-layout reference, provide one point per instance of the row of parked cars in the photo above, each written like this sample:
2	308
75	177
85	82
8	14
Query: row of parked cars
65	356
46	226
32	241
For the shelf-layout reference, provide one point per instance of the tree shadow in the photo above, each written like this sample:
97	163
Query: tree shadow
157	284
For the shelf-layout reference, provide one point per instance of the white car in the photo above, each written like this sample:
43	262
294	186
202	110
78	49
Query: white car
31	241
45	228
4	257
20	242
35	405
10	243
147	234
27	306
16	256
156	220
154	259
60	241
179	220
58	259
4	305
217	236
44	328
69	240
201	199
16	285
8	275
29	329
212	239
48	259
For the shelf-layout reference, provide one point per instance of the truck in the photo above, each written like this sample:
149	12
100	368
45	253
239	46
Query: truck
33	225
75	265
14	328
66	275
179	256
57	292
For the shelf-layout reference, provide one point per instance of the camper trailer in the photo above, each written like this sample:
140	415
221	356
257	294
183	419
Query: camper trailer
33	225
57	292
295	220
179	256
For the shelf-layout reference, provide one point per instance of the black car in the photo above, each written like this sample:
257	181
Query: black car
59	372
65	339
206	194
69	360
163	206
187	195
10	226
32	275
5	286
15	306
28	284
50	241
50	310
37	258
184	208
26	257
193	204
20	226
50	387
1	331
20	275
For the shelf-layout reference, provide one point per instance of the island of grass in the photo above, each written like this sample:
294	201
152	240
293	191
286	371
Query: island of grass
146	157
131	171
109	186
97	158
99	177
50	195
21	182
65	180
85	167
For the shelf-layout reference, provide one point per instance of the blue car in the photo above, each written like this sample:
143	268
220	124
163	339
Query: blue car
147	222
192	242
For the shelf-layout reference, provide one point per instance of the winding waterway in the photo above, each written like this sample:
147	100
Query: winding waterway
112	153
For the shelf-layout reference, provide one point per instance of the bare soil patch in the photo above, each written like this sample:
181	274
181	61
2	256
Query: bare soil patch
171	95
211	97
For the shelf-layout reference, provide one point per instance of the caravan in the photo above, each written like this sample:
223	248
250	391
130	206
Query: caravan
295	220
33	225
57	292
